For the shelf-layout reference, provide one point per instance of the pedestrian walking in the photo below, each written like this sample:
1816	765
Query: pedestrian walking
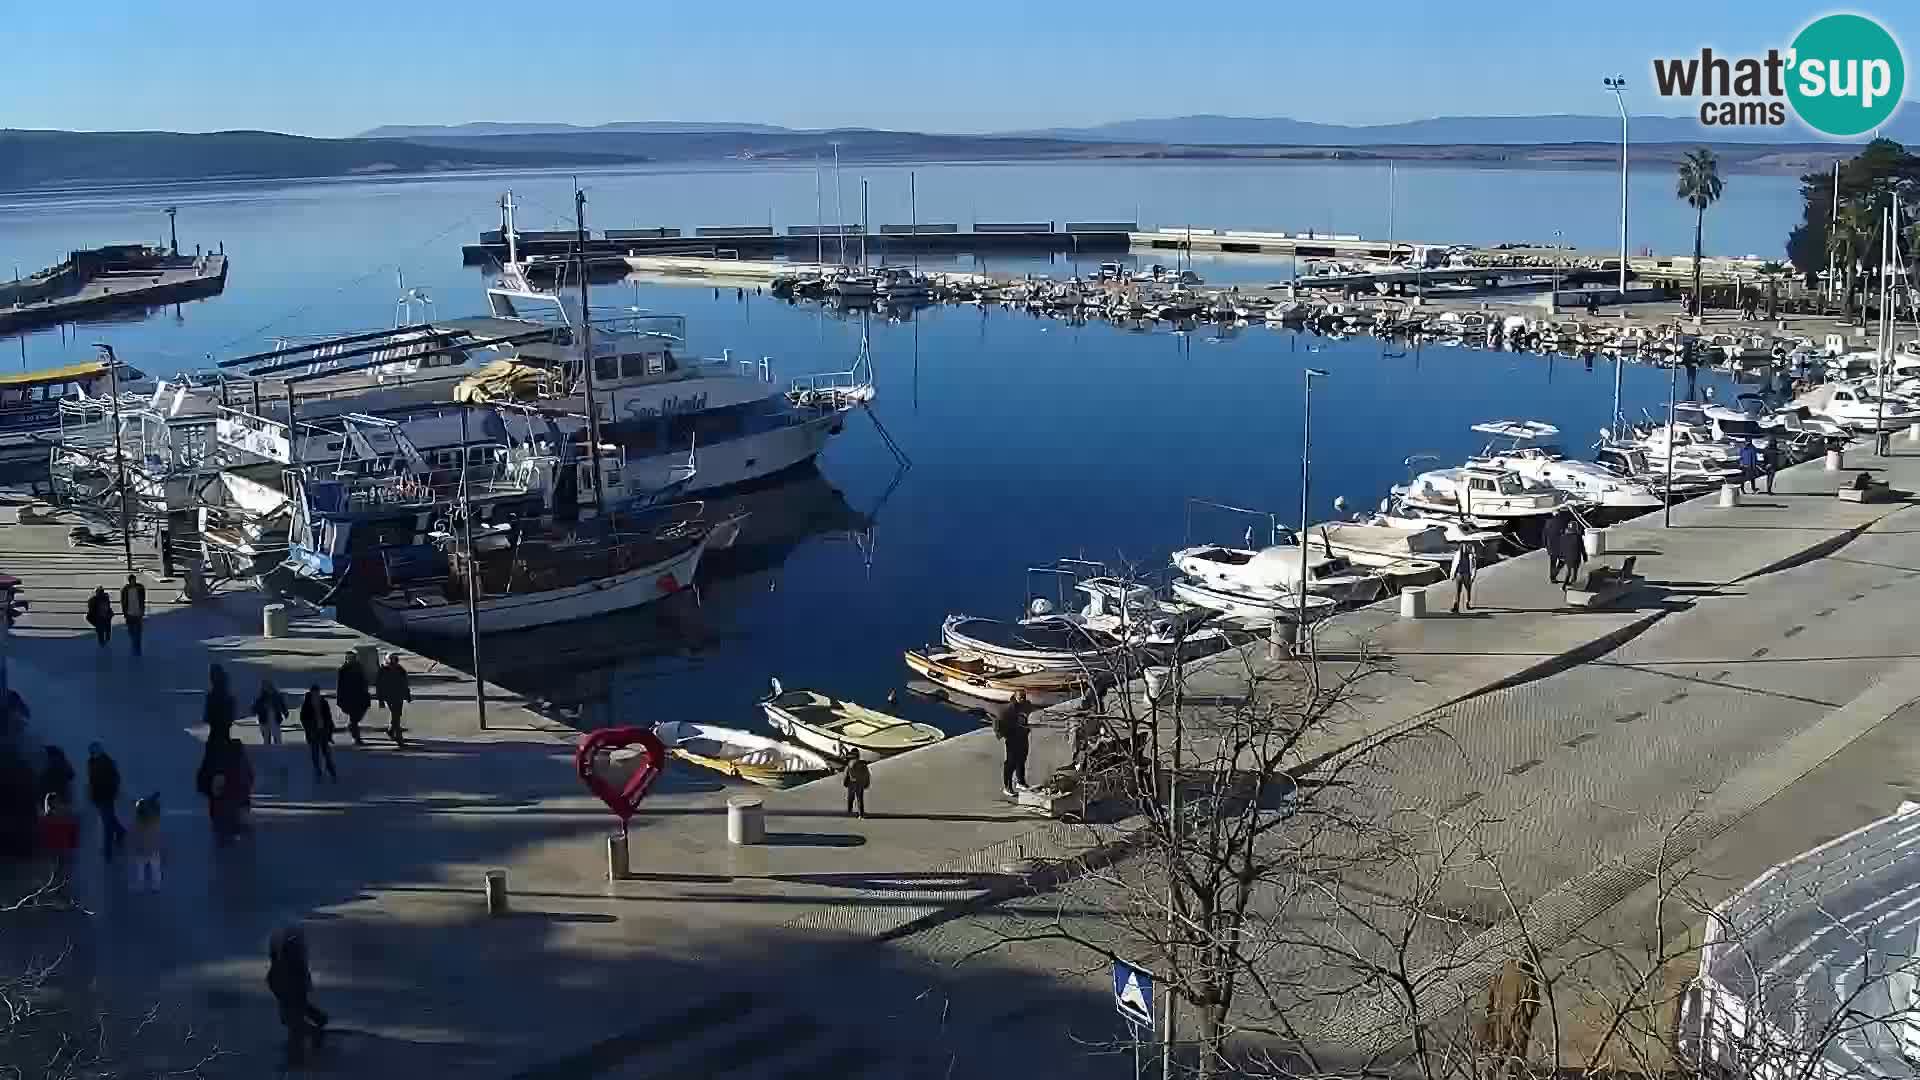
1550	542
58	838
1749	466
316	723
145	843
218	712
857	778
103	791
100	615
394	692
133	608
56	775
226	780
1466	564
1013	730
1769	461
1573	552
270	711
291	981
350	693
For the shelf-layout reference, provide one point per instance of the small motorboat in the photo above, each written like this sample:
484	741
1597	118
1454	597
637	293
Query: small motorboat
990	680
765	761
1259	606
1046	643
835	727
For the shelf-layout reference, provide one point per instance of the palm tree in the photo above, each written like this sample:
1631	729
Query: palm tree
1845	241
1700	188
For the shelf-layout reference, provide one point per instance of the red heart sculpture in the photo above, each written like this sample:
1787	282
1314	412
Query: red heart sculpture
624	801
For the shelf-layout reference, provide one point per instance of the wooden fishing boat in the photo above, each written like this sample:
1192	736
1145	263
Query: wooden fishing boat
757	758
989	680
834	727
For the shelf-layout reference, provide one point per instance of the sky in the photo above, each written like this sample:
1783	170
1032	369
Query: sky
339	67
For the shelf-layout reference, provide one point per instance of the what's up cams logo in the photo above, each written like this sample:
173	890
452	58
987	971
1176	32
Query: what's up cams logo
1843	76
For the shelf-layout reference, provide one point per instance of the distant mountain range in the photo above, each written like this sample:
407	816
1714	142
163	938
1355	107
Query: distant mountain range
1214	130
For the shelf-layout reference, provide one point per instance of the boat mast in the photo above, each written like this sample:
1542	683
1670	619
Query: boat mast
506	227
839	212
913	219
863	225
586	351
819	223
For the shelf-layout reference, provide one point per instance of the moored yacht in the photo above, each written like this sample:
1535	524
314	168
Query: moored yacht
1611	497
1484	495
1278	568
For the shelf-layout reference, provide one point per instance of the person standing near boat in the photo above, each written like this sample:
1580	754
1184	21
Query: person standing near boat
1466	564
316	723
1769	461
1550	541
100	615
1011	726
1749	467
394	691
857	778
350	693
1573	551
133	608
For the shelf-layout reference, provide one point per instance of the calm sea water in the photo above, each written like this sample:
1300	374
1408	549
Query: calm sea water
1026	439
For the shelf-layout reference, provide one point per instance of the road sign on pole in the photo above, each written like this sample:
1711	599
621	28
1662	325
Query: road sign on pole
1133	994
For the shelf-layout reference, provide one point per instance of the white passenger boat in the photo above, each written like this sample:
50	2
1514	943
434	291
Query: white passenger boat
1859	406
835	727
764	761
1529	454
1278	569
1484	494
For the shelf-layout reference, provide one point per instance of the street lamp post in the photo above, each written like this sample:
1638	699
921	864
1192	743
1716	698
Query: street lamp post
1673	374
1306	482
1617	84
119	458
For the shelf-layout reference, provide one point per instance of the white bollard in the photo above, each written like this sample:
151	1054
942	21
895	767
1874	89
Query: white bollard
617	863
1836	460
746	820
496	889
273	621
1913	432
1729	494
1413	602
1595	541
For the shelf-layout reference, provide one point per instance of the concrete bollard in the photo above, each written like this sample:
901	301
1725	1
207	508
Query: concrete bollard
273	621
1729	494
1595	541
1913	432
1281	635
746	820
617	863
496	889
1836	460
1413	602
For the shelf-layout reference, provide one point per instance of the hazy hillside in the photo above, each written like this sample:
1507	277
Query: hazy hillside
406	131
38	158
1445	130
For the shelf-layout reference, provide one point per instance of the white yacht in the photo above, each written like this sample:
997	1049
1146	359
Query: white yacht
1415	555
1486	495
1859	406
1278	569
1691	475
1611	495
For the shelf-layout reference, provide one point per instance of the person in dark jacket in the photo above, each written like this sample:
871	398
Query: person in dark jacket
1573	552
1550	542
219	710
225	778
316	723
350	693
133	608
103	790
1749	466
857	779
100	615
391	685
291	981
56	776
1769	461
1012	728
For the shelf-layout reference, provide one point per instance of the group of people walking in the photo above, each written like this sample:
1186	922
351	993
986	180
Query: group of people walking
133	611
352	693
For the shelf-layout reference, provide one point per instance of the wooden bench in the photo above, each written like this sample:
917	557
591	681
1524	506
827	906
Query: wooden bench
1605	584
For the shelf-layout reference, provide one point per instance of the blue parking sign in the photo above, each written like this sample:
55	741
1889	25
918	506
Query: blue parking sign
1133	993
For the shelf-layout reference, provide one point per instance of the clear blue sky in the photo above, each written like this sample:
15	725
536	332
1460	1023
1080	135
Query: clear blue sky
337	67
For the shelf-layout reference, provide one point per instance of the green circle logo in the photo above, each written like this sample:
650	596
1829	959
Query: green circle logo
1847	75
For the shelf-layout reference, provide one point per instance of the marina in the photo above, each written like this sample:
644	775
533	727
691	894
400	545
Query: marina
921	497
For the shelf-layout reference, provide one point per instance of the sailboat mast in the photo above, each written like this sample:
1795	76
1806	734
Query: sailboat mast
819	223
506	226
839	212
913	219
863	224
586	351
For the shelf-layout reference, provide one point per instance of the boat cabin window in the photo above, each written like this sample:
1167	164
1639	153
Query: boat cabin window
1480	483
606	368
14	395
634	365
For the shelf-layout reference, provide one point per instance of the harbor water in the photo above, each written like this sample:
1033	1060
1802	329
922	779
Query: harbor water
1025	439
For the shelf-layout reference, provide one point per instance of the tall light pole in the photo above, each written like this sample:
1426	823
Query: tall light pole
1306	482
1673	374
1618	85
119	458
173	227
